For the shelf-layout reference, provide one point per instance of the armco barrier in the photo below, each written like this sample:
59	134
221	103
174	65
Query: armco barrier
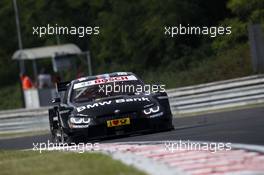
218	95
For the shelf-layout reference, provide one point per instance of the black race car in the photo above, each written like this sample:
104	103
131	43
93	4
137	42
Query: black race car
102	106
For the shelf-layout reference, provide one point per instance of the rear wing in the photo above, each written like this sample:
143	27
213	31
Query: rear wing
62	86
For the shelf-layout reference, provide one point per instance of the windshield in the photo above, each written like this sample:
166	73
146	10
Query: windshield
94	92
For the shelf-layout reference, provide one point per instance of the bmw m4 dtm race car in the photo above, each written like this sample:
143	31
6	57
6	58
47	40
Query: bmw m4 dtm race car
85	110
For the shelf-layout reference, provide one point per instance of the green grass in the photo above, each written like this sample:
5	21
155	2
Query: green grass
61	163
10	97
228	64
9	135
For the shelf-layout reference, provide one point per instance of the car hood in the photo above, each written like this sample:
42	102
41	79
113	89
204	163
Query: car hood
115	105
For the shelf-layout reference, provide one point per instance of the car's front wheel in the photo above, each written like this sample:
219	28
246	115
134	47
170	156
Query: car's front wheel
59	136
55	136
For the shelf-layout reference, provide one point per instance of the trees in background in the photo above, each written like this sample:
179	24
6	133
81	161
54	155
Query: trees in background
131	32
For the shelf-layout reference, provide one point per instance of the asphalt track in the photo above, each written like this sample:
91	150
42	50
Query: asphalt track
240	126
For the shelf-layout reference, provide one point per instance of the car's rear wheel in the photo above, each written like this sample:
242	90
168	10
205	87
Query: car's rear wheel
52	123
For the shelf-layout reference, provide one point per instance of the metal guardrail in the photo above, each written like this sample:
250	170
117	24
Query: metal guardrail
218	95
184	101
24	120
23	112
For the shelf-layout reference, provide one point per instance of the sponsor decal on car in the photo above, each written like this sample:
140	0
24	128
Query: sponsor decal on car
156	115
118	122
104	80
117	101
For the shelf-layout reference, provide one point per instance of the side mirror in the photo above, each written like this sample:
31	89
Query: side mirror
56	100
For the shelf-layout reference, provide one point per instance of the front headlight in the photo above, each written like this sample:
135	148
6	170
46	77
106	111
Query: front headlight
151	110
80	120
76	120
